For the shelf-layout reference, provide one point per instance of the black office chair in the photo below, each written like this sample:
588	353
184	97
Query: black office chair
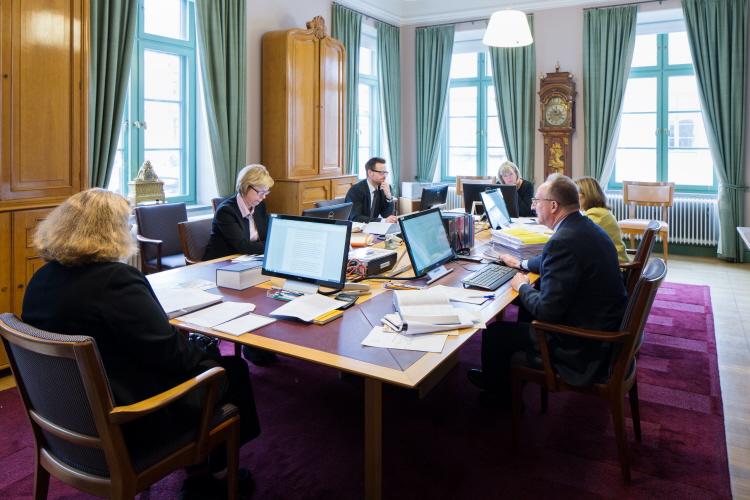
159	237
195	235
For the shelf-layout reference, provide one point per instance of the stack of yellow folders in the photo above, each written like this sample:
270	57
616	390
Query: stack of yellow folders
520	243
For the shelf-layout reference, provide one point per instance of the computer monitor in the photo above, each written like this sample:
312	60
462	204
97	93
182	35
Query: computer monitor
427	243
494	207
307	252
338	212
431	196
471	194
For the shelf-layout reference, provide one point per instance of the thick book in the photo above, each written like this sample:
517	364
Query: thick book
425	306
241	276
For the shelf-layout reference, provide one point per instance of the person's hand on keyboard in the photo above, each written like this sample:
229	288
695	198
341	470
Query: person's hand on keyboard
518	280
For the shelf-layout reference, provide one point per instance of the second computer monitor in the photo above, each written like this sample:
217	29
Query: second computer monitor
426	240
337	212
471	194
494	207
432	196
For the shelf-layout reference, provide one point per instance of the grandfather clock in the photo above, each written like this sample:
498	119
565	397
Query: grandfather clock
557	124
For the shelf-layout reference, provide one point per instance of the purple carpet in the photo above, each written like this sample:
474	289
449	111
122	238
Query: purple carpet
447	446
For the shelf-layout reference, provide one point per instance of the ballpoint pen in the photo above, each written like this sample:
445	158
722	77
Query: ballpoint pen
481	296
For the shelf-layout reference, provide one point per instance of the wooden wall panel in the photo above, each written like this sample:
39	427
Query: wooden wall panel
303	114
25	259
332	105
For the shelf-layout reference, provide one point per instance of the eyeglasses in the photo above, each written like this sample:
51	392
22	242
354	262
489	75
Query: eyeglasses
261	193
534	201
384	172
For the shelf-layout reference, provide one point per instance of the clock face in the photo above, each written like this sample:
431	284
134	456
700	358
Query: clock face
148	175
556	114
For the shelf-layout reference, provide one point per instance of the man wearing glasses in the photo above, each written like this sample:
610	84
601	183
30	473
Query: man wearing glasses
582	287
371	198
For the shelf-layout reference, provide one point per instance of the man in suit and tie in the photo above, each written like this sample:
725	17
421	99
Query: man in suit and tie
371	198
582	287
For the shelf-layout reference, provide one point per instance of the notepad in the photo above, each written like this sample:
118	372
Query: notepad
244	324
179	301
218	314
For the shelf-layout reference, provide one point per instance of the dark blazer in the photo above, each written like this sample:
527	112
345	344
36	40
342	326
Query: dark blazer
143	355
524	195
230	232
359	196
582	287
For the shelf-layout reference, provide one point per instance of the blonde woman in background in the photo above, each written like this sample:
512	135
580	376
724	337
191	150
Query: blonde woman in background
508	173
594	206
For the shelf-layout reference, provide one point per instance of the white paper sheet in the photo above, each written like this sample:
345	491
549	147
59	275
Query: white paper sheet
176	301
220	313
388	340
198	284
307	307
466	295
380	228
244	324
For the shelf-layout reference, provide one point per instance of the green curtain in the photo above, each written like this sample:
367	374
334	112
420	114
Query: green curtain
389	84
347	29
514	79
608	42
113	25
221	41
434	51
717	33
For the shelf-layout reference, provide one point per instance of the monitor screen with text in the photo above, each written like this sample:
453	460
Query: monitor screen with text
426	240
306	249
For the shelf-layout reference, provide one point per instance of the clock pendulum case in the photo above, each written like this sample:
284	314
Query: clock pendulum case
557	120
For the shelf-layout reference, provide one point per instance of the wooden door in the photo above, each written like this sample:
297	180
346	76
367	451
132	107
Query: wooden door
303	102
312	191
5	279
25	259
332	105
341	185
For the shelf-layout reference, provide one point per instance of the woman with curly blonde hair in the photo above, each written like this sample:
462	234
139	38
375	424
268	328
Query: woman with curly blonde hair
86	289
594	206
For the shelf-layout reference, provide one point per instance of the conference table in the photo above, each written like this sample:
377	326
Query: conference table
338	344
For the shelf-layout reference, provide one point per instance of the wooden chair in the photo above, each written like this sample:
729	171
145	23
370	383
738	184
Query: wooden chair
215	202
76	425
475	179
647	194
328	203
194	235
623	376
159	237
633	270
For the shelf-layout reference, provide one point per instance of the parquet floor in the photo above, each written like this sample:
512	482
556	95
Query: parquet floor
730	295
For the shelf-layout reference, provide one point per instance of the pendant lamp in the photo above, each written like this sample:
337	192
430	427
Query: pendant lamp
508	28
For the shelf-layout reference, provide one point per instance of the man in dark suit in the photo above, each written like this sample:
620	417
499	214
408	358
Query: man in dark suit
371	198
582	287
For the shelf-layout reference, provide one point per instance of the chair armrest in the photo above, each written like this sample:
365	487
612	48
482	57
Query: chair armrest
123	414
143	239
631	251
618	337
158	243
631	265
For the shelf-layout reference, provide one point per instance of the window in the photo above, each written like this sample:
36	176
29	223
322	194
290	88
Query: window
472	143
159	119
662	137
368	124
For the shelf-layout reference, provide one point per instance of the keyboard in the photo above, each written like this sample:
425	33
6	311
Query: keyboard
490	277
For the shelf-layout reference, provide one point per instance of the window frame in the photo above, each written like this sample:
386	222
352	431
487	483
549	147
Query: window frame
370	41
663	71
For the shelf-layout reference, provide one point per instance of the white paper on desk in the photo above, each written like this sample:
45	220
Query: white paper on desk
427	343
466	295
198	284
357	227
380	228
218	314
467	320
245	258
307	307
244	324
177	301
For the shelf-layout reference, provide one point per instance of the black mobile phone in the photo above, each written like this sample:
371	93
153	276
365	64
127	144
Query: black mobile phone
349	300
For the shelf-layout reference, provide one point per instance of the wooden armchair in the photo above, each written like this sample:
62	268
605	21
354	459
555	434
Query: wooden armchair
194	235
158	236
622	378
215	202
76	425
647	194
632	270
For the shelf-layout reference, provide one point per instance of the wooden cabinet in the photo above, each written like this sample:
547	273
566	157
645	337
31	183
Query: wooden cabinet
292	196
303	115
43	127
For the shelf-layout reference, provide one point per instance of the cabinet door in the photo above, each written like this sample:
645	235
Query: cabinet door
332	105
5	282
43	122
312	191
340	185
303	102
25	259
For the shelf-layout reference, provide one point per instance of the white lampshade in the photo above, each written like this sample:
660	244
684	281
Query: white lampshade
508	28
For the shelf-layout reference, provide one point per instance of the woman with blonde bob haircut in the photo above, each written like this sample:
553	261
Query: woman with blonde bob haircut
86	289
594	206
508	173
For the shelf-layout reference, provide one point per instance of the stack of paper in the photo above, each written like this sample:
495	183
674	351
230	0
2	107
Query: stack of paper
179	301
520	243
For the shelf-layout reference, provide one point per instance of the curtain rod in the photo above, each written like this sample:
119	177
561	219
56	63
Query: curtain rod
623	5
368	16
462	22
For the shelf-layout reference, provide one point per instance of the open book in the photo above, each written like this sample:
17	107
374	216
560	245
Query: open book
425	306
179	301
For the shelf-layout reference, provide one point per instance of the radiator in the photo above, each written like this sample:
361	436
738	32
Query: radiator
692	221
454	200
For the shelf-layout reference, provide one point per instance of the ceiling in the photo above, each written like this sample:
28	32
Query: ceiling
406	12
